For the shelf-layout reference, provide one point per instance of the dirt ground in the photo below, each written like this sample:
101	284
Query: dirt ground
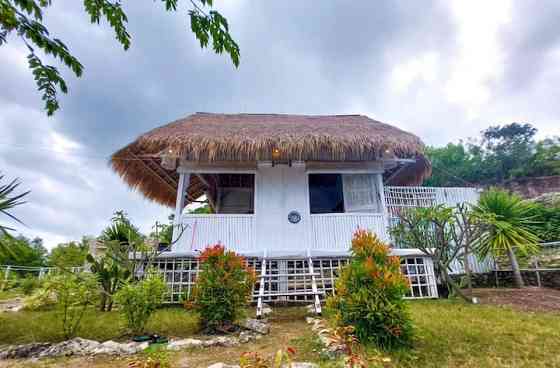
530	299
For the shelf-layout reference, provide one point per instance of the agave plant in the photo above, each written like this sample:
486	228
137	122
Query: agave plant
9	199
508	223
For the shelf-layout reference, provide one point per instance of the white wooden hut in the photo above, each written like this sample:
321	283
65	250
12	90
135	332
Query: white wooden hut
286	191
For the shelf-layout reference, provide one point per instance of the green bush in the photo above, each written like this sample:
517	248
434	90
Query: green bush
40	299
223	288
73	295
139	300
369	294
29	283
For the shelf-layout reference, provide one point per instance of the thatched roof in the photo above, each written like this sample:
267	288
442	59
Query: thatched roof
254	137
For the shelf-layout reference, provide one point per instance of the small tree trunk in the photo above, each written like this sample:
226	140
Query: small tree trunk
102	302
518	280
468	273
456	289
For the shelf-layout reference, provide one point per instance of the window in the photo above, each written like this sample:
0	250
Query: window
235	193
337	193
325	193
224	193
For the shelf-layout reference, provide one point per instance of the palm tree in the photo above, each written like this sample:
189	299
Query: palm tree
9	199
507	219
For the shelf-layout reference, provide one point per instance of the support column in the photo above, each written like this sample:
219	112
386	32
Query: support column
381	193
181	202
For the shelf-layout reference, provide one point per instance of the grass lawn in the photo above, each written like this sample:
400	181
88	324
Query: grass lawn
448	334
26	326
452	334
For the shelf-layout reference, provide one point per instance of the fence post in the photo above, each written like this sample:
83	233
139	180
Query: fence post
538	274
6	277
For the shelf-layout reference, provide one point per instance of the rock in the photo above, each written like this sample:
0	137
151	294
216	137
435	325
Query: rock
75	346
310	308
223	341
222	365
11	305
23	351
301	365
266	310
114	348
184	344
141	346
309	320
245	337
256	325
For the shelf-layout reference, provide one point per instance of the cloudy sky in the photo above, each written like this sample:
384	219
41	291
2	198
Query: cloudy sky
442	70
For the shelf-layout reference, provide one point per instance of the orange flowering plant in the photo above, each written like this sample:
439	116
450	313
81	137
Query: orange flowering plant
369	294
223	288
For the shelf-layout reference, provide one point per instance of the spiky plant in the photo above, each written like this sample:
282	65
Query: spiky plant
509	222
9	199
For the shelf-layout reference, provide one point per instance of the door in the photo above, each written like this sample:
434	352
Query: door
281	212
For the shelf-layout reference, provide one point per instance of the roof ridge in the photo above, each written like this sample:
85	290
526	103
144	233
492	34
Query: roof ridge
273	114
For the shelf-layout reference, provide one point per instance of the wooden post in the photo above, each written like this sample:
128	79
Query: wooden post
182	187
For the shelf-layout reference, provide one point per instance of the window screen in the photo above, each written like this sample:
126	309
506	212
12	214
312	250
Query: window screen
325	193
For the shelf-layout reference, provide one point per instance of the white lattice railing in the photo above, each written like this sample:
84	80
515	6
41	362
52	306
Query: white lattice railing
397	198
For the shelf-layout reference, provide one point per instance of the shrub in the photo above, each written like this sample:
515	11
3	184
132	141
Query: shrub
73	295
139	300
369	294
40	299
29	283
222	289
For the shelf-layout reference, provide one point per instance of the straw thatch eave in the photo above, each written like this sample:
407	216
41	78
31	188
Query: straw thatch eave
207	137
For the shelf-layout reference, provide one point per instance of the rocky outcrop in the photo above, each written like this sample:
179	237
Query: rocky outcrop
73	347
23	351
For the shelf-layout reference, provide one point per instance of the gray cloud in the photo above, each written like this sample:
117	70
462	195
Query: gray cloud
297	57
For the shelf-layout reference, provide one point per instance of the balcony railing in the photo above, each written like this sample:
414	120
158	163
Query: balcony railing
199	231
333	232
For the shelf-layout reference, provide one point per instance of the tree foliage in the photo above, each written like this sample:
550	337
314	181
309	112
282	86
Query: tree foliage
510	227
546	220
73	295
499	154
444	233
20	251
25	18
67	255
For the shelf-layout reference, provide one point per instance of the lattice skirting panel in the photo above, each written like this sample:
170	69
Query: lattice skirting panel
293	283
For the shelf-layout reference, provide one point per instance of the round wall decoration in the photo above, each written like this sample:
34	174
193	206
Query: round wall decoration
294	217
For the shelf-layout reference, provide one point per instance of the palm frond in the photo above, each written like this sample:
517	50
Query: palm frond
9	200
